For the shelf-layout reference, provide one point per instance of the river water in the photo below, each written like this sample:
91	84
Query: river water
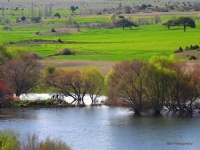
105	128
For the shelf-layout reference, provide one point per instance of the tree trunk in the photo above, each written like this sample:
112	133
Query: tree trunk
137	112
157	112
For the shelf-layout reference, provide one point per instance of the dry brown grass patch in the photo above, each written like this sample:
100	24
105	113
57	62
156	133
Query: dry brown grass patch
103	66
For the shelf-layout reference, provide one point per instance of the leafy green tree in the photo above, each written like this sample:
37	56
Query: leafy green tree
23	18
186	22
171	23
158	78
16	52
73	8
125	23
94	81
4	53
181	21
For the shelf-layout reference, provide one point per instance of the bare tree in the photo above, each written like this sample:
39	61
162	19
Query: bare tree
21	75
157	19
127	81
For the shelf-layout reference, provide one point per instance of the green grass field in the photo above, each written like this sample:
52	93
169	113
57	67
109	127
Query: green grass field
103	44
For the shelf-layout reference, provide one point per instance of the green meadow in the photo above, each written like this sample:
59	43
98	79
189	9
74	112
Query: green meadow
101	44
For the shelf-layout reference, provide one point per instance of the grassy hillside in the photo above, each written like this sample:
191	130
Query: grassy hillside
102	44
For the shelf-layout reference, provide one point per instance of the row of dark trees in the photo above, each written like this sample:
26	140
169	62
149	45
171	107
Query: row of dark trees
181	21
156	84
122	22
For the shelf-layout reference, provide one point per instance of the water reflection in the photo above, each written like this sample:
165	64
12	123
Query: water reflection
105	128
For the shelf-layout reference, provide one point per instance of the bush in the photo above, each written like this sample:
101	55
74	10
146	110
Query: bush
32	55
57	15
179	50
35	19
30	142
98	13
60	41
120	16
6	94
49	69
6	27
51	144
38	33
8	140
53	30
187	48
192	57
65	51
23	18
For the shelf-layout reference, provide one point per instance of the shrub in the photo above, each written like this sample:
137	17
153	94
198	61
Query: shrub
32	55
192	57
5	94
179	50
53	30
49	69
35	19
38	33
194	47
120	16
8	140
53	144
57	15
30	142
6	27
98	13
49	102
65	51
60	41
187	48
23	18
